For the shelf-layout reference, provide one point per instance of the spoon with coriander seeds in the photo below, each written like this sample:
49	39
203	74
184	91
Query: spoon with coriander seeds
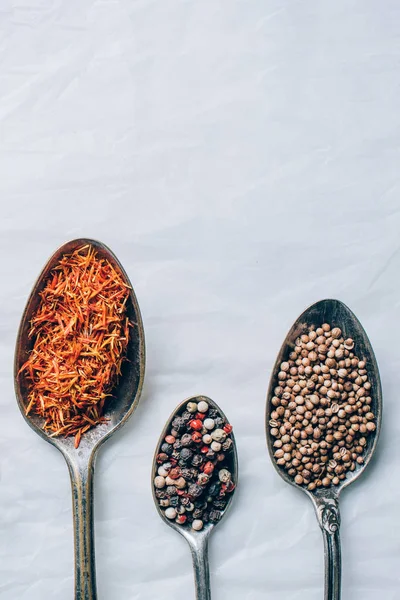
79	370
194	477
324	408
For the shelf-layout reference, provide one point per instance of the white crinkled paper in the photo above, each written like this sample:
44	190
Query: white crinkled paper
241	159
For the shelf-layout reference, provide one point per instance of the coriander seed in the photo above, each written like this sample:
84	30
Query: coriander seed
322	413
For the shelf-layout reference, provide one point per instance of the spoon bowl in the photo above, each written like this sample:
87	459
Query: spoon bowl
124	400
197	540
325	500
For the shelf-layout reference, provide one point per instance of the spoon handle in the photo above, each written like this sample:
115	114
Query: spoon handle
329	520
199	550
81	473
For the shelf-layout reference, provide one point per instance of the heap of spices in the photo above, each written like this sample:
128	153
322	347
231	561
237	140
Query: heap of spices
194	477
321	409
80	331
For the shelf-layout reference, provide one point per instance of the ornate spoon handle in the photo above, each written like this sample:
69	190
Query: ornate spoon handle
329	520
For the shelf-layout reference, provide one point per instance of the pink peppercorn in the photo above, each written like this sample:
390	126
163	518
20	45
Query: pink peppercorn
181	519
162	458
230	487
208	468
175	473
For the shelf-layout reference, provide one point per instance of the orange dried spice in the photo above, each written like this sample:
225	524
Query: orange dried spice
80	332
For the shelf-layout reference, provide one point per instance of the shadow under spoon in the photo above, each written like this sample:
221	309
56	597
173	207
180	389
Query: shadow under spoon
124	400
197	540
326	500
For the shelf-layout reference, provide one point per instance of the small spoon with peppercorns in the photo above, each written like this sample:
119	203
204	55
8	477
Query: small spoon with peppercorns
324	408
194	476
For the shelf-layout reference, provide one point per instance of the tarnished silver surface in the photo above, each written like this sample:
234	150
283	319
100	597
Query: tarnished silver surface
326	501
81	461
197	540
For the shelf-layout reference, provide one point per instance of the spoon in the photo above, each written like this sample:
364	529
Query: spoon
326	501
197	540
125	398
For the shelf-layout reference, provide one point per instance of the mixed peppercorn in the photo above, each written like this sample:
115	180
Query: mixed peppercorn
195	463
321	413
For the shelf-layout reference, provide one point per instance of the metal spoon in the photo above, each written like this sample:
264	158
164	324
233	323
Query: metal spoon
81	461
326	501
197	540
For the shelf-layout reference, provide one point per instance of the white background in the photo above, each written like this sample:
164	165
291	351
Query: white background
241	158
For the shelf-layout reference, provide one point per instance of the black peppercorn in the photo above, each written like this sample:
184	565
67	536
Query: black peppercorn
215	516
200	504
186	440
178	424
177	445
175	455
186	416
167	449
197	513
206	517
197	460
210	454
227	445
187	474
195	490
212	413
186	454
160	494
171	490
174	501
194	472
214	488
219	422
220	504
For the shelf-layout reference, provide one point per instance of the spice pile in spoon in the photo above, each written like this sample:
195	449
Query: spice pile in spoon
80	331
321	409
194	478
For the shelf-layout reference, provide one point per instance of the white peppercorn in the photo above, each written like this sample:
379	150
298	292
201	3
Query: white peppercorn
159	482
170	513
224	475
218	435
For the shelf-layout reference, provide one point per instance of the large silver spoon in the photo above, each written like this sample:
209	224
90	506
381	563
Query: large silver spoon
326	501
81	461
197	540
